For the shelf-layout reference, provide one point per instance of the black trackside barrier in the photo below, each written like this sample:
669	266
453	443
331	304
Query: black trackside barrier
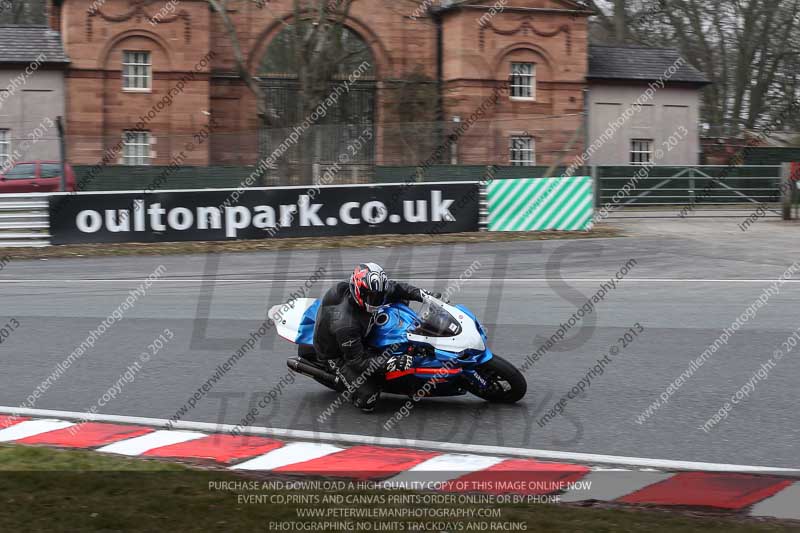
279	212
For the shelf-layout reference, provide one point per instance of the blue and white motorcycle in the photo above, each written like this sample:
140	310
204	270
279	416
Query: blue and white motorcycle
444	349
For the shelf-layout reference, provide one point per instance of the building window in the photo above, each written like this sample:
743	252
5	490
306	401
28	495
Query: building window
523	152
523	81
136	71
136	148
641	151
5	149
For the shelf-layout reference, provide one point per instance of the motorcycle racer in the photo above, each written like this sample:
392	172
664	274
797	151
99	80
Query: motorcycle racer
345	318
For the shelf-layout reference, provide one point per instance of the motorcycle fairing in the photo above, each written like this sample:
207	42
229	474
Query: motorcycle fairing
462	336
394	325
295	322
469	347
391	326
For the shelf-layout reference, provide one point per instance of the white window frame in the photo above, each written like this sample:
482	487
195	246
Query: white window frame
522	81
136	148
137	71
5	148
522	151
641	152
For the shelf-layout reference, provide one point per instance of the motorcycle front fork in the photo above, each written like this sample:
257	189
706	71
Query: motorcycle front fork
475	379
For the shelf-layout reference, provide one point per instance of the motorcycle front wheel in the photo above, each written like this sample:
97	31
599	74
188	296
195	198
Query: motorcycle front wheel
506	384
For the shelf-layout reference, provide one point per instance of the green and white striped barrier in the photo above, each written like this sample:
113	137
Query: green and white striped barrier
541	204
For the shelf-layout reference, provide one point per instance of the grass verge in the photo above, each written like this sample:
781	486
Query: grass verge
310	243
69	490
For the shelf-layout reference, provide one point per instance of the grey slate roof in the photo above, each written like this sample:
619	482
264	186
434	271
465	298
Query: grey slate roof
451	4
639	63
23	44
448	5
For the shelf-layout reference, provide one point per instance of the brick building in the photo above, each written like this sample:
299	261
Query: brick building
156	82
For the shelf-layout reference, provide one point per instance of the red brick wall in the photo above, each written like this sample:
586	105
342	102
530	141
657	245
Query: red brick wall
99	110
476	61
400	46
478	58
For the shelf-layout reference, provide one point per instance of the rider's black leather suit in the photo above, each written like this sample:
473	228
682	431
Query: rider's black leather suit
340	330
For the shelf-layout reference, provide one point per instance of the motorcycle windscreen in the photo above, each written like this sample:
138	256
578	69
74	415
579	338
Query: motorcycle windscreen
435	321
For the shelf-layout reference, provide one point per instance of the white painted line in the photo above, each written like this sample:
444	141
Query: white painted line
292	453
29	428
472	280
454	447
456	461
608	485
782	505
441	468
143	443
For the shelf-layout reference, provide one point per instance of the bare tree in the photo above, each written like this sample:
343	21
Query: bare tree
22	12
749	49
314	50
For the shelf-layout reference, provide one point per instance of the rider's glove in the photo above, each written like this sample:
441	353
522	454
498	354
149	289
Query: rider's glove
437	295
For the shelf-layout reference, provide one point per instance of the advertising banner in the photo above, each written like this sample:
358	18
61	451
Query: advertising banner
220	215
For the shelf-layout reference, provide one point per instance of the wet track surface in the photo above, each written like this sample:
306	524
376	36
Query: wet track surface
688	284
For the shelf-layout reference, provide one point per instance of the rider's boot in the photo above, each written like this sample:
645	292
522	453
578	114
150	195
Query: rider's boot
361	379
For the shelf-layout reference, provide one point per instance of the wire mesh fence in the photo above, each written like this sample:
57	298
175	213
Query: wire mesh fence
17	147
326	154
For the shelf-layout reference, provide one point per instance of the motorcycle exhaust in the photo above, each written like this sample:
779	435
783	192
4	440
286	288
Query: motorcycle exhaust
301	367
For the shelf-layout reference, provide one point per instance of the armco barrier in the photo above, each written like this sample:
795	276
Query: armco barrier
259	213
24	220
541	203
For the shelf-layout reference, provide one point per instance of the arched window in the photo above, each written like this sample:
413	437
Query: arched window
346	52
524	67
522	80
329	91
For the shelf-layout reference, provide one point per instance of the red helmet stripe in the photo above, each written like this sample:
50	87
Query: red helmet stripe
359	280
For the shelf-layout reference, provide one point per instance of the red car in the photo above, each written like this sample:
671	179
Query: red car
35	176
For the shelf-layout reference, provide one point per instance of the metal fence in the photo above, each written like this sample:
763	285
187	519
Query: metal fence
711	188
24	218
125	178
343	153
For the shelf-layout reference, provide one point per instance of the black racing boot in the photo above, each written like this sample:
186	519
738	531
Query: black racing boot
362	380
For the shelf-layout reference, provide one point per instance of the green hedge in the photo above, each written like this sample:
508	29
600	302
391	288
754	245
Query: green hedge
771	156
401	174
120	177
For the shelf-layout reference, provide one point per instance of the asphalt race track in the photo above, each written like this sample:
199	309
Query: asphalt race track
690	280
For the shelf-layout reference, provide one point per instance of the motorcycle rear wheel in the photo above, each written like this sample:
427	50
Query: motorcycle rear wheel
506	382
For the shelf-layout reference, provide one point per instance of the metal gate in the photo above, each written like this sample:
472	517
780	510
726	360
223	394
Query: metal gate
707	191
327	142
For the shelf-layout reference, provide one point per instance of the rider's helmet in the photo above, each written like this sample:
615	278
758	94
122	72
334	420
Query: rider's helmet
368	286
